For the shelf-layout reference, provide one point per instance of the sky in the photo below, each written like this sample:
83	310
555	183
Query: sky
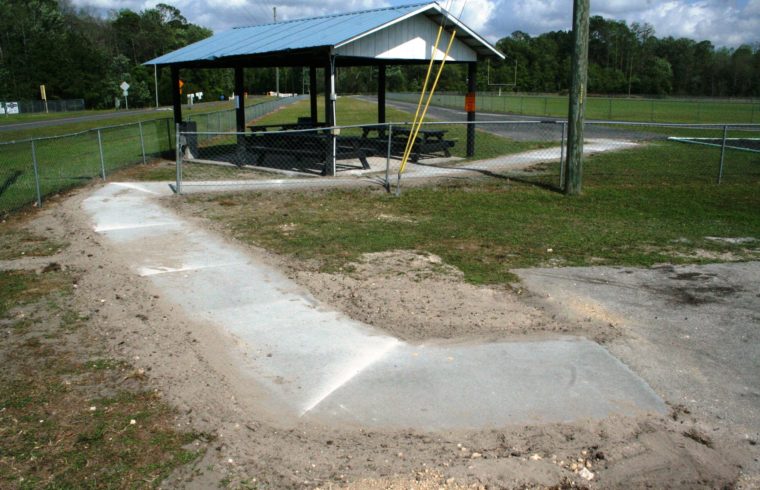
724	22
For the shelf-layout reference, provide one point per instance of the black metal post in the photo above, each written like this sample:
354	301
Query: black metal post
472	87
313	94
381	93
176	97
328	80
240	101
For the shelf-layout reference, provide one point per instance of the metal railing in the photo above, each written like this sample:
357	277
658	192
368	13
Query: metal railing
607	108
282	156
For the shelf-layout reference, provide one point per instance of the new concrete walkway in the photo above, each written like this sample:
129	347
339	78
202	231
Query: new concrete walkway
325	367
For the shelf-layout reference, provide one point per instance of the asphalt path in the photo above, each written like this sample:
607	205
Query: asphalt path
79	119
548	129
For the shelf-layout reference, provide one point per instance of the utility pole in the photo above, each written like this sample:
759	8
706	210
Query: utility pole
277	69
576	112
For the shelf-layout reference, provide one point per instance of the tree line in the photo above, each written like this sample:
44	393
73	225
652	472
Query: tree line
629	59
76	53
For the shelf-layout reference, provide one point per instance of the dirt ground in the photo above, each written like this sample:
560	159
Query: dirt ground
416	297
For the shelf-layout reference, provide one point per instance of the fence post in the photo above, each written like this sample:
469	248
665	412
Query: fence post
722	154
546	100
142	141
102	160
36	175
178	146
388	159
609	108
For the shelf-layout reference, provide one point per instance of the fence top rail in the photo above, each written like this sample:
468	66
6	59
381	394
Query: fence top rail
677	125
79	133
483	123
114	126
375	125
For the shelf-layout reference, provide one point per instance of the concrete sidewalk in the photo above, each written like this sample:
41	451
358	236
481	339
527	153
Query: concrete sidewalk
325	367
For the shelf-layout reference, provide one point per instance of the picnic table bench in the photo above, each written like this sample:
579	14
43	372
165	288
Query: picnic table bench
306	146
428	141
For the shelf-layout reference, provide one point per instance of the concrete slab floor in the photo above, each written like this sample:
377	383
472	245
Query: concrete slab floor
328	368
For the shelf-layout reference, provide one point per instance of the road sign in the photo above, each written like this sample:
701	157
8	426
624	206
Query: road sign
124	88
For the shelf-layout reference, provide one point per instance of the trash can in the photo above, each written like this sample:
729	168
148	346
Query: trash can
189	130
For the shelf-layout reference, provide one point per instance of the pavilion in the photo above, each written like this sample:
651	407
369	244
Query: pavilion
380	37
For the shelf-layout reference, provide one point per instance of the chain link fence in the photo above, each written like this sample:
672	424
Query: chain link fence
297	155
38	167
31	106
606	108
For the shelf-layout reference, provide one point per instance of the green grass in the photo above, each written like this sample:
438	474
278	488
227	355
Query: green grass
352	111
73	160
117	119
639	207
615	109
52	375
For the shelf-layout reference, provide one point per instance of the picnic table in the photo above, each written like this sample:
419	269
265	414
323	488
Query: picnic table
294	140
428	141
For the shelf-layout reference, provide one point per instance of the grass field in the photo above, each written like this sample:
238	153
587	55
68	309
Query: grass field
74	158
352	111
117	119
70	416
640	207
613	109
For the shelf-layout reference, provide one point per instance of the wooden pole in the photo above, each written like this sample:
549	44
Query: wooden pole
576	112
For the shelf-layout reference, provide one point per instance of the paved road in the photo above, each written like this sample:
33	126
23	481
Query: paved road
550	130
79	119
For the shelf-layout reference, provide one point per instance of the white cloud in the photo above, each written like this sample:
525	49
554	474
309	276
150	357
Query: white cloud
724	22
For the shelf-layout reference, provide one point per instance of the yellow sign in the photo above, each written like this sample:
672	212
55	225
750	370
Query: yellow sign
181	84
42	92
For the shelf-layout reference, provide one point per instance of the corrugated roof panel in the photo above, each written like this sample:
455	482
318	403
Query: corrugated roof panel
295	34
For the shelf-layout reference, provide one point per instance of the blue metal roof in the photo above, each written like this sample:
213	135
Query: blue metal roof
314	32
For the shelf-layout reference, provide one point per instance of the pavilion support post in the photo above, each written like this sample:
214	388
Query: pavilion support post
330	98
240	113
472	86
176	97
313	94
381	93
239	100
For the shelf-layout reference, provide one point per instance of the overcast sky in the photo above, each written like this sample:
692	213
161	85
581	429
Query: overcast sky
724	22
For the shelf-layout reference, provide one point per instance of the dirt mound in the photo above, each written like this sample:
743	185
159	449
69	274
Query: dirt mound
415	296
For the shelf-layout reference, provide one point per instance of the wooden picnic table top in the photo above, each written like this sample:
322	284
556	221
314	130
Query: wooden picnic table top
260	128
425	133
